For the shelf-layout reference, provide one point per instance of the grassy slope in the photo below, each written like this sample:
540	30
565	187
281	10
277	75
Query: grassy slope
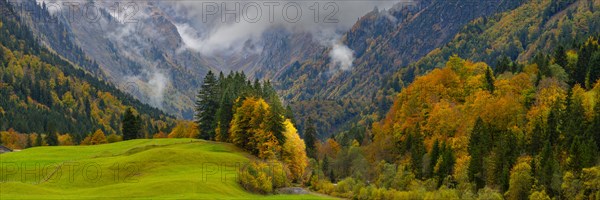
160	168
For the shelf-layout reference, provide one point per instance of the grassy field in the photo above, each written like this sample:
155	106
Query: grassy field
137	169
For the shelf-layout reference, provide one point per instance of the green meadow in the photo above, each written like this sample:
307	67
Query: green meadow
135	169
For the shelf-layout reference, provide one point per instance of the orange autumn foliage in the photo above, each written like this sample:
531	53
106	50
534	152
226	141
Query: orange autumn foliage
97	138
184	129
160	135
65	140
445	103
328	148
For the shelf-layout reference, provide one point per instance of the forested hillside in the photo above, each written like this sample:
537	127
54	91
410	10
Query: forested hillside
463	132
54	34
514	32
42	93
518	35
383	42
121	47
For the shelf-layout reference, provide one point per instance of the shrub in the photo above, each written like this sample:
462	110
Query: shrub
254	179
539	195
488	193
365	193
443	193
263	178
112	138
345	187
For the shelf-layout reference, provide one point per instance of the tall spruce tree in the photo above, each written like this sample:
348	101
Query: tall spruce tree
575	119
275	118
446	165
29	143
537	138
289	114
417	151
52	139
593	70
554	122
433	157
560	57
275	123
477	152
543	63
131	126
224	115
505	154
206	107
548	165
593	130
582	67
503	64
38	140
489	78
310	137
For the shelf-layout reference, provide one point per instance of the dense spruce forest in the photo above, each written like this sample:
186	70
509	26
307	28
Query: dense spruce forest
42	94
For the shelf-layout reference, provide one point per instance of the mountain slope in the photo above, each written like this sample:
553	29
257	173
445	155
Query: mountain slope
160	168
384	41
536	26
141	55
43	93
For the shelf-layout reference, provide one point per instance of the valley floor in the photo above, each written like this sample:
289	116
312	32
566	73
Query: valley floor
135	169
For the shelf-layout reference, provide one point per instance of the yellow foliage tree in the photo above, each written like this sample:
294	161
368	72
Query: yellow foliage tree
265	144
87	140
294	152
521	181
98	138
65	140
248	129
13	139
184	129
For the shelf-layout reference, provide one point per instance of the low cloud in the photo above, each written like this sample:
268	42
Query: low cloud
151	84
158	83
341	56
226	32
221	38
